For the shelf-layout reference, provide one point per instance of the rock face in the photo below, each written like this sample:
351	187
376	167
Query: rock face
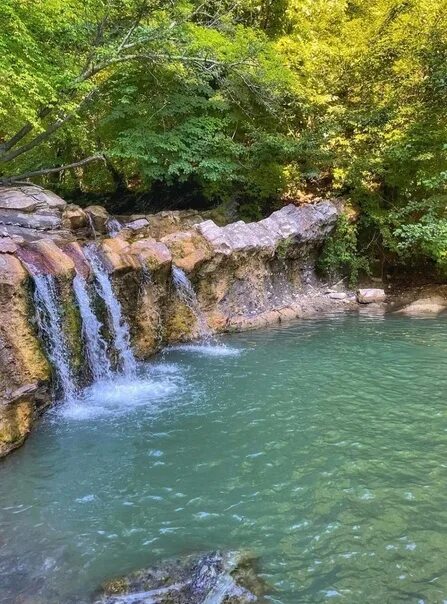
227	577
233	277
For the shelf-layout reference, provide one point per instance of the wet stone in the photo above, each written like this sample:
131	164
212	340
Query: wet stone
217	577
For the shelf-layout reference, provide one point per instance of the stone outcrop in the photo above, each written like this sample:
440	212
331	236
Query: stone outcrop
217	577
241	276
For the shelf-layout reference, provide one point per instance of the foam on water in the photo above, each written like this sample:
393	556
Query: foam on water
208	350
105	399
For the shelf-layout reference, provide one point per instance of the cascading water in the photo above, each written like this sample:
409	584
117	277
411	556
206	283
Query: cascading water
187	295
50	321
95	345
120	328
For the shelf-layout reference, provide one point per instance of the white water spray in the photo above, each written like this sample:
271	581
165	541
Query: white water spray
120	327
50	322
187	295
95	345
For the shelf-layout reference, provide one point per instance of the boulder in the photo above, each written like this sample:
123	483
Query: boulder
117	256
31	207
217	577
99	217
74	217
166	223
337	295
371	295
189	249
291	224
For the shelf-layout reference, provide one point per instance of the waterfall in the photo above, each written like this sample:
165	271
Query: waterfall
95	345
187	295
120	328
50	322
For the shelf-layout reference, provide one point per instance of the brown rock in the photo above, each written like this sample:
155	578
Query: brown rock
74	217
99	218
117	256
189	249
153	253
46	257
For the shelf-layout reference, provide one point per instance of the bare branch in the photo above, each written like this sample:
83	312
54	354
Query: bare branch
49	131
22	177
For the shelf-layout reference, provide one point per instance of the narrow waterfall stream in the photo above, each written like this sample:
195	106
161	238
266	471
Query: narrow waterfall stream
95	344
50	322
120	328
187	295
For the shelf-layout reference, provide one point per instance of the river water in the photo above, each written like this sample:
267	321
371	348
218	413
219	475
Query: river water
320	446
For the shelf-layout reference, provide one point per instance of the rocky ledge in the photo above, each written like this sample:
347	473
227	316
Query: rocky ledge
234	277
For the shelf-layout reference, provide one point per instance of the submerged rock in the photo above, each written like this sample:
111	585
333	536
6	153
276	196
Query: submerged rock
214	578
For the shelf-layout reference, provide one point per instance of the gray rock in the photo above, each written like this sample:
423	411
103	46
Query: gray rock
137	225
217	577
304	224
30	207
29	199
337	295
368	296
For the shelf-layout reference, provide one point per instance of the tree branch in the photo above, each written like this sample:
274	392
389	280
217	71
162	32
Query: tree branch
21	177
49	131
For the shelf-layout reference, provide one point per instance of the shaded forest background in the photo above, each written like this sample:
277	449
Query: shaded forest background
240	106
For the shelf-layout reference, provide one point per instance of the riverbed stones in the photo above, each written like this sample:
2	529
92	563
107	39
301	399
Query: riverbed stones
371	295
217	577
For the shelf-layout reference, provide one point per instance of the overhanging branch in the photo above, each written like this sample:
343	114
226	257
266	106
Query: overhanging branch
44	171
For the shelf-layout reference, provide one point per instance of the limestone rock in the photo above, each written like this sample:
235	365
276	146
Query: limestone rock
228	577
46	257
153	253
166	223
189	249
433	305
307	223
7	245
99	218
29	199
74	217
16	418
370	295
31	207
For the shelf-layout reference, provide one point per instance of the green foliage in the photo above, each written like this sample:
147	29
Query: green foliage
253	102
340	256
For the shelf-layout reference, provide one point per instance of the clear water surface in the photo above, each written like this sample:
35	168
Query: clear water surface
321	446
